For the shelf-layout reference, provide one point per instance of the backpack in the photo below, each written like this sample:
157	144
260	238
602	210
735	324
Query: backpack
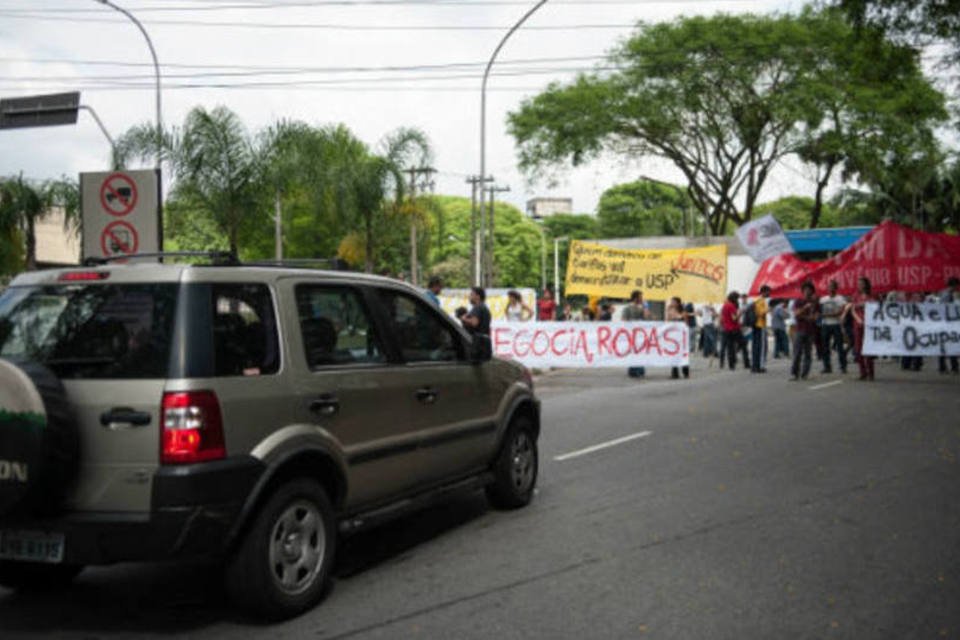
750	315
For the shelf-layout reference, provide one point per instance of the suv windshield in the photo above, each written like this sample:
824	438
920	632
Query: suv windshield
91	331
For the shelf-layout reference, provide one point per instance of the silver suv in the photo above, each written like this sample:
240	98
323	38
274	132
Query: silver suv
155	411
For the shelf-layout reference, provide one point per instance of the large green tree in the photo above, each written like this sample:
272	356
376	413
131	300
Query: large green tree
217	166
724	98
871	103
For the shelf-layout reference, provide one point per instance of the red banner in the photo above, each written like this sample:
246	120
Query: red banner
893	257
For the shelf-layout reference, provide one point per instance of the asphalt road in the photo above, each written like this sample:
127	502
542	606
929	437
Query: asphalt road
754	508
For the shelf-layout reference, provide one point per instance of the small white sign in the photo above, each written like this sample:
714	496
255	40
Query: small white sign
912	329
121	212
763	238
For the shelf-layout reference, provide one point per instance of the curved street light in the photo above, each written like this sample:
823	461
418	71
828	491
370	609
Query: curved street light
483	113
156	69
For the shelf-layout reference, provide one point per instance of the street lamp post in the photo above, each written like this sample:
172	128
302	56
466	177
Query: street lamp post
156	70
483	102
556	266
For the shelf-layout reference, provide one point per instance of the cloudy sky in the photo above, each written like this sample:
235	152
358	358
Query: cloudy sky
374	65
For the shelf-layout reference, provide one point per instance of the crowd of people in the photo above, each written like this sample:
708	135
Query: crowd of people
819	325
741	330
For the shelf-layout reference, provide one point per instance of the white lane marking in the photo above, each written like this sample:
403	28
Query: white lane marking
602	445
826	384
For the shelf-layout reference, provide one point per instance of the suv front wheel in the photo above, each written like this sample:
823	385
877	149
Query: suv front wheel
284	561
515	469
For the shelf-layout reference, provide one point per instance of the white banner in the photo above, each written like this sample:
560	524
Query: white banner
912	329
763	238
592	344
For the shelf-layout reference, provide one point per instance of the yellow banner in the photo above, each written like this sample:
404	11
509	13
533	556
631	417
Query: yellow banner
696	275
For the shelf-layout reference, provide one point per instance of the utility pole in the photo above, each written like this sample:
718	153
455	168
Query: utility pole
277	226
488	268
477	229
413	172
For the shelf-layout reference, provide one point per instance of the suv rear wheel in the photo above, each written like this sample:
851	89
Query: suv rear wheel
515	469
284	561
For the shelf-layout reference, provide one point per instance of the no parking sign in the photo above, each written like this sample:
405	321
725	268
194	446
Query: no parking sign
121	212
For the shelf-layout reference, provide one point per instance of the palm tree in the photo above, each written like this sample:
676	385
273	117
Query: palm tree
23	204
215	163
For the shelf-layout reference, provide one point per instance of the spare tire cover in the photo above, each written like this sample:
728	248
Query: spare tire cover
38	439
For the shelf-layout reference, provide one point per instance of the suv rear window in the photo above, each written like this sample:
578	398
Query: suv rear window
117	331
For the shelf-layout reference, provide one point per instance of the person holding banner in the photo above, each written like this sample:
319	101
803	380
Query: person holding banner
949	295
517	310
856	308
676	313
635	311
806	312
547	306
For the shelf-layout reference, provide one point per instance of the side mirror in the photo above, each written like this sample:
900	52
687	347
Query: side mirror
480	350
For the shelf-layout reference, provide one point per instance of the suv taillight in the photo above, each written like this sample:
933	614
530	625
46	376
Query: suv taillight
192	428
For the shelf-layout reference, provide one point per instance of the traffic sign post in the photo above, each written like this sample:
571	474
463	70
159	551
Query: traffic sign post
121	213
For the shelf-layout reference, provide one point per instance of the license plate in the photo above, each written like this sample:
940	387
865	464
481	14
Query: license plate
34	546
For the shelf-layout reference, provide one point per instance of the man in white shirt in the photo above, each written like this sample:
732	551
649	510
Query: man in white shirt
831	333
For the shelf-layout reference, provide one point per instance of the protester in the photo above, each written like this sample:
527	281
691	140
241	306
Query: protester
606	312
950	295
546	306
708	330
691	323
434	287
586	314
807	310
567	313
477	321
831	331
758	337
517	310
778	321
856	308
746	330
912	363
730	325
676	313
631	313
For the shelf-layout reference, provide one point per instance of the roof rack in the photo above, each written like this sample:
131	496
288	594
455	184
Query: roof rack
336	264
216	257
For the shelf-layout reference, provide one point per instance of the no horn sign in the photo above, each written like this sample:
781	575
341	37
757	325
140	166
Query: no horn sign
121	212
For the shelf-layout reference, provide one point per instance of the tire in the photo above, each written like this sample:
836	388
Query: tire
35	576
277	571
516	466
39	440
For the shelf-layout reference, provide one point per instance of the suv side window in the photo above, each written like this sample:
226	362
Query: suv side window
245	341
421	333
335	327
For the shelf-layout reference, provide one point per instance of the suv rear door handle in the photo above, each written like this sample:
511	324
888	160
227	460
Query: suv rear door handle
427	395
124	418
326	405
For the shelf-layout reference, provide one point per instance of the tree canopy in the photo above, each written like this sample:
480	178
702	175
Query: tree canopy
725	98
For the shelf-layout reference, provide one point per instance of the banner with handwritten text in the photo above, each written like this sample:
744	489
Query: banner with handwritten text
592	344
696	274
912	329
